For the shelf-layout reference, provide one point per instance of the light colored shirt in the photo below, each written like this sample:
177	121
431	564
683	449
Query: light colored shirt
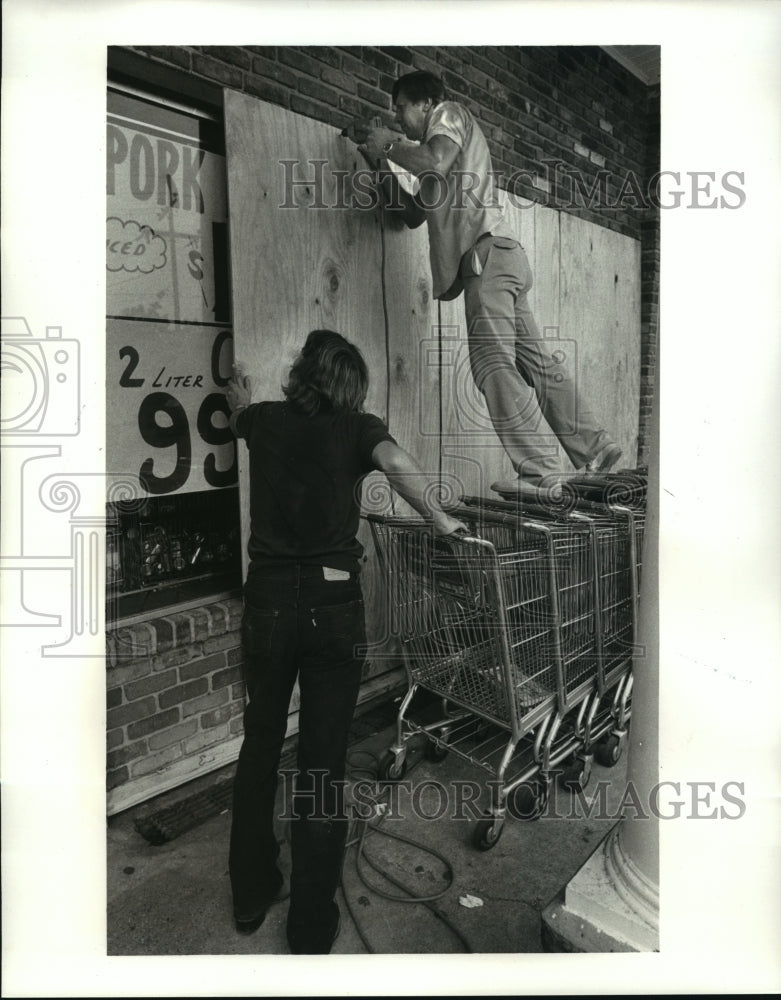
466	206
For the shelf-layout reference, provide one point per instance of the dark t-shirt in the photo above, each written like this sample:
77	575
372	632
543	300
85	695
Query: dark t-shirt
305	483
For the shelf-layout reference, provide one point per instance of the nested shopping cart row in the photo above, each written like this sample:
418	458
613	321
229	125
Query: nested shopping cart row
526	629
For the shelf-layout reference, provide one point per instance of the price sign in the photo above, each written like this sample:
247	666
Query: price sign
168	353
166	408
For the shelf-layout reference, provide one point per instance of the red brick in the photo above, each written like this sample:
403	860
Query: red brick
115	778
224	678
175	735
298	60
452	58
235	608
197	668
424	62
183	692
114	738
204	703
303	106
113	698
267	51
177	55
380	61
117	676
183	629
324	54
311	88
216	716
134	642
175	657
218	613
398	52
339	119
215	70
238	691
352	106
157	761
336	78
201	623
205	739
164	634
355	68
266	91
374	96
228	53
236	726
149	685
126	754
153	724
219	642
130	713
234	656
274	71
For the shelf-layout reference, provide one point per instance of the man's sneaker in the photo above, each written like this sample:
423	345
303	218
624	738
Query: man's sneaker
605	459
248	925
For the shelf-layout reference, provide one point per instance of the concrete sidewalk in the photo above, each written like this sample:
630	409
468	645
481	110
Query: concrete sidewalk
174	899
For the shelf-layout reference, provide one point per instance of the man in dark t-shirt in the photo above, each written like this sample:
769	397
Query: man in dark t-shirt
304	619
304	474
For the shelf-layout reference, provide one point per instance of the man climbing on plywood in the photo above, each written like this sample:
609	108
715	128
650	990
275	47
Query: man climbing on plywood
472	249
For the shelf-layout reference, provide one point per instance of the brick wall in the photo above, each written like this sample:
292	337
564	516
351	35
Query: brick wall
174	688
570	105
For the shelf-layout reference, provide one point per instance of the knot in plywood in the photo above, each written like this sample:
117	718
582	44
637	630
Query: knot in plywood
331	280
400	369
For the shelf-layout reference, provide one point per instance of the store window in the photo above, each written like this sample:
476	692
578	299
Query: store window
168	357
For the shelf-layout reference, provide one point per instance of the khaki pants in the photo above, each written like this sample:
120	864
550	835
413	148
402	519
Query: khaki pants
529	381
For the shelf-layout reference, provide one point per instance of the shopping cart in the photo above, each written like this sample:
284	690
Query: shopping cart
613	508
502	624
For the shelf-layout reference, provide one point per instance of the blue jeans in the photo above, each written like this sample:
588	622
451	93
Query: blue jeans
529	381
296	624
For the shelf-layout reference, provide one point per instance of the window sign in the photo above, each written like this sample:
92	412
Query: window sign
169	339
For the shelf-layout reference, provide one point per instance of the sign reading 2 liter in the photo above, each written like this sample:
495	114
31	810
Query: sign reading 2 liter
169	344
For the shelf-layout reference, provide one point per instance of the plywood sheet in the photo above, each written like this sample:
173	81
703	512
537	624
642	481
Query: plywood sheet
412	358
536	229
600	312
300	262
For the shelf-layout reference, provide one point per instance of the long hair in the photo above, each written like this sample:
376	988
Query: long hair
328	373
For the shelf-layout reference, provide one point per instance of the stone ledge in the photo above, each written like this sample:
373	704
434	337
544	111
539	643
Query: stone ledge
165	632
593	915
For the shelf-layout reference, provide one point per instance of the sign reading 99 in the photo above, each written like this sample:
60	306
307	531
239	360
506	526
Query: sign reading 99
178	417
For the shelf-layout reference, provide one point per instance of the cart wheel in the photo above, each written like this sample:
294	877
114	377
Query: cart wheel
487	833
608	752
528	800
391	768
575	778
435	752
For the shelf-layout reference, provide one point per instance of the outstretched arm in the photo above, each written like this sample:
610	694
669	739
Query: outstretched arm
435	157
408	479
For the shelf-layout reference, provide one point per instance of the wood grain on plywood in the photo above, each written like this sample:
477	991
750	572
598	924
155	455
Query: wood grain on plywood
600	316
300	262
